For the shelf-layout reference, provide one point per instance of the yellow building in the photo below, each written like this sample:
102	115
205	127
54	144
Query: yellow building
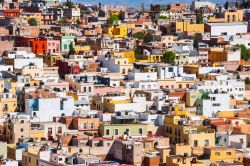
79	48
228	16
191	97
176	160
109	103
179	110
189	28
8	85
25	16
31	156
52	59
220	154
130	55
153	58
8	100
8	103
118	31
178	131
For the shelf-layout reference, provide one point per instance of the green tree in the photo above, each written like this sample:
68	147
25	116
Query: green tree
162	17
113	19
139	35
226	5
71	49
138	52
244	53
64	22
148	38
32	22
69	4
195	43
199	17
78	22
169	57
247	80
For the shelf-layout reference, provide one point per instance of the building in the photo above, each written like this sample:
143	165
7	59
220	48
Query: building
179	131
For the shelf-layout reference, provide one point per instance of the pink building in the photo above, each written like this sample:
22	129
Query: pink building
105	163
53	45
105	90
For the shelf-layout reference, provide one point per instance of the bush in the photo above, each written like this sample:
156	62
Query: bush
32	22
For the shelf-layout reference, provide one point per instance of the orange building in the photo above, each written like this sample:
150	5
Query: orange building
39	46
11	13
86	124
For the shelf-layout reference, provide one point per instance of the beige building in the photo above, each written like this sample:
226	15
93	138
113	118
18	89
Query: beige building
33	71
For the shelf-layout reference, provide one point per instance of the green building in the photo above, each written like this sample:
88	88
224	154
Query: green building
65	42
121	129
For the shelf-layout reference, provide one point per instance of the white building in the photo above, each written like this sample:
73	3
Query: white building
233	28
240	40
237	141
203	4
142	76
212	104
44	109
233	87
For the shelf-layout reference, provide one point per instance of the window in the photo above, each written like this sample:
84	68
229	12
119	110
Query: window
217	153
140	131
195	143
60	159
116	132
85	125
92	125
59	130
229	153
206	142
107	131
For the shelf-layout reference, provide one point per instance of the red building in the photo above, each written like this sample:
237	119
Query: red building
11	13
65	68
21	41
39	46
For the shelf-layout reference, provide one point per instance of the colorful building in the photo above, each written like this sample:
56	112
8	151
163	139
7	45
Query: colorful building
189	28
118	31
65	42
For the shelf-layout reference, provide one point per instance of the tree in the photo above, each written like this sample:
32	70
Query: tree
113	19
139	35
78	22
226	5
247	80
199	17
195	43
32	22
63	22
148	38
169	57
161	17
71	49
138	52
69	4
244	53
